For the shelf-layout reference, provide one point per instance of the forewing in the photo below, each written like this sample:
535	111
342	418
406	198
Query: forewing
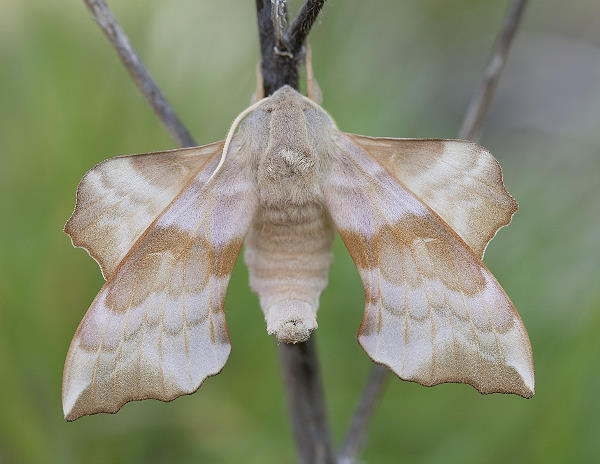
120	197
434	313
157	327
460	180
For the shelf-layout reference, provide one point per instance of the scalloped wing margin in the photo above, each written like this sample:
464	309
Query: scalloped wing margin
120	197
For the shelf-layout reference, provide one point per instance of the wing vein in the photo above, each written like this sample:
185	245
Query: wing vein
500	350
141	339
121	337
430	311
184	317
468	311
450	317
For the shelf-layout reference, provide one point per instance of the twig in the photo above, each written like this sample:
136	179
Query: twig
473	120
306	401
303	23
481	99
281	51
278	69
138	72
357	431
280	26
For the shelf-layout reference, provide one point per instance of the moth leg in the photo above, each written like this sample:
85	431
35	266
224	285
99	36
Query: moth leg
312	86
259	93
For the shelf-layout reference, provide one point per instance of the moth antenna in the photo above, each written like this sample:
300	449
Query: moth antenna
234	125
259	93
312	86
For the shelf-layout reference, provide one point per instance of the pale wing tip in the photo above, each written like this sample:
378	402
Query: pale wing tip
528	379
67	413
70	411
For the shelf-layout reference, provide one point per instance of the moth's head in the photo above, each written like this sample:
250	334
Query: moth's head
286	100
287	119
287	97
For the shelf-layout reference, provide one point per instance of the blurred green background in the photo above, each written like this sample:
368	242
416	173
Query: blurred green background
387	68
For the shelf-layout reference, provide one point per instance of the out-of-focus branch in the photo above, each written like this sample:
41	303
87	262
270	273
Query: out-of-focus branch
473	120
357	432
481	99
138	72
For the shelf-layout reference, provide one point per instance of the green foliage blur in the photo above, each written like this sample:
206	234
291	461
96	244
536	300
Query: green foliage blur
387	68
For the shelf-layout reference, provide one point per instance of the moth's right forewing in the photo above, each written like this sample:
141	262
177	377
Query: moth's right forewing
434	313
157	327
120	197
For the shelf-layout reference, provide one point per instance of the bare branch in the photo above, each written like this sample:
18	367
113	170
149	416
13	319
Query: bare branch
303	23
357	431
281	50
481	99
138	72
474	118
278	69
302	378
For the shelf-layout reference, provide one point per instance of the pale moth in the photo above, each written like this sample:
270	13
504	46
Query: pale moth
166	229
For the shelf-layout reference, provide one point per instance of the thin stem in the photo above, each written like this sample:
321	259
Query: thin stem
473	120
481	99
138	72
357	432
303	23
302	379
280	26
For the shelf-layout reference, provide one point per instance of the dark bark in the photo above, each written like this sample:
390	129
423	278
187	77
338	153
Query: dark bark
279	67
303	23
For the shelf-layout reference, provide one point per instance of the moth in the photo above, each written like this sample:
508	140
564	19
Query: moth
166	229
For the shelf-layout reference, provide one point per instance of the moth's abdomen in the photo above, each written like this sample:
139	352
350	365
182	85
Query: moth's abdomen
288	254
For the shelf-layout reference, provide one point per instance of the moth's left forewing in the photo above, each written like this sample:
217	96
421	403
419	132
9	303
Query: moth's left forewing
460	180
433	311
157	327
